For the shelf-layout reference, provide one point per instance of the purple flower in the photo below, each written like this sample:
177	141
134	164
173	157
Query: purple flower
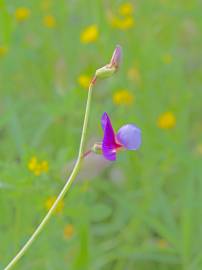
128	137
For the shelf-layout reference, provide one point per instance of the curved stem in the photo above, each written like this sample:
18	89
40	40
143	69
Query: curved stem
65	188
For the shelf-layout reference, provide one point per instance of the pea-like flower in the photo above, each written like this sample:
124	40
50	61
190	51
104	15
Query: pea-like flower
128	137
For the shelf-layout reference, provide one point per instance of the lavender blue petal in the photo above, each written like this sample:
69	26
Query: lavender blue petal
116	57
104	120
130	137
108	142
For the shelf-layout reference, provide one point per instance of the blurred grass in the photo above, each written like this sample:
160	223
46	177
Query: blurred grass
144	211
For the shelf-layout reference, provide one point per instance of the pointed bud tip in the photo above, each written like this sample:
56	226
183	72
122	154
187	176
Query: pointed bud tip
116	57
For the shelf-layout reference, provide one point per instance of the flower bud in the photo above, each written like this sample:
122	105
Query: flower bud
109	69
105	72
97	148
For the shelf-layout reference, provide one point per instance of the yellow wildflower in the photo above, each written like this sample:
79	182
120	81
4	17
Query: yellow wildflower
89	34
22	14
123	97
122	24
37	167
68	231
166	120
3	50
32	163
167	58
37	170
84	80
49	203
49	21
44	166
134	74
126	9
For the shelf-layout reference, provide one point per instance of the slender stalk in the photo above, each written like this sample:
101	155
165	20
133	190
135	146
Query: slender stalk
87	153
65	188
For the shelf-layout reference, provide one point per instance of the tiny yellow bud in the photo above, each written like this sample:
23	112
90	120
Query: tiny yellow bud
68	231
97	149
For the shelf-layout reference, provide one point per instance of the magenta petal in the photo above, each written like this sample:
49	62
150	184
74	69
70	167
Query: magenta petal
130	137
108	142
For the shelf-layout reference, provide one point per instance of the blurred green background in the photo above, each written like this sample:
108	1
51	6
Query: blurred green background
143	211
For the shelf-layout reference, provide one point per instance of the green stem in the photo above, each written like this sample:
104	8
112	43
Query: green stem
65	188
